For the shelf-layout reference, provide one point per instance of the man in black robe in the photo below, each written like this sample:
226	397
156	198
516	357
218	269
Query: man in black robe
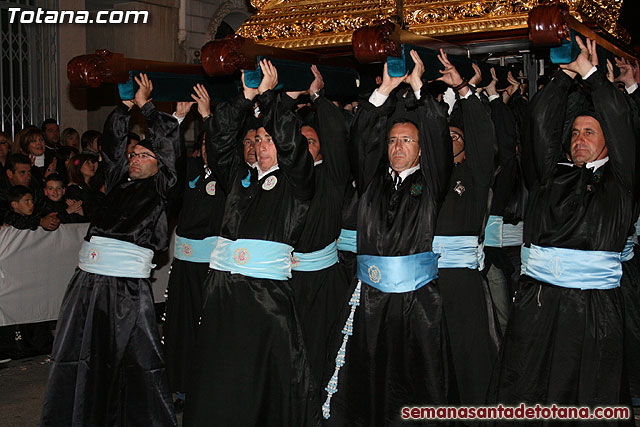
564	339
630	282
393	352
252	367
467	304
107	365
319	283
504	229
197	231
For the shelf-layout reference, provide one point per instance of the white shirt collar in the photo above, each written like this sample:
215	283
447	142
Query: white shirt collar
267	172
39	161
405	173
597	163
317	162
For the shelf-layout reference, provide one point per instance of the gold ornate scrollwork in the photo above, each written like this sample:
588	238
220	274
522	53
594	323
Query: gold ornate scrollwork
308	23
259	4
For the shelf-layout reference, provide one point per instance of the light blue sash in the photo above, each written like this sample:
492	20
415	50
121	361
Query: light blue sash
398	274
493	232
317	260
512	234
261	259
497	234
524	257
458	252
572	268
194	250
348	241
627	252
112	257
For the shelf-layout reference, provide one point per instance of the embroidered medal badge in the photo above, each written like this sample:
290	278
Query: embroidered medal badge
211	188
269	183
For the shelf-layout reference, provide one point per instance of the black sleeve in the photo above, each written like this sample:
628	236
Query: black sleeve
635	98
114	140
165	132
222	135
480	139
634	104
174	200
542	147
332	131
506	129
74	218
436	160
612	105
368	135
293	149
22	222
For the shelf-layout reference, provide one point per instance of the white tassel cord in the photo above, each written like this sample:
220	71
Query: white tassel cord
347	331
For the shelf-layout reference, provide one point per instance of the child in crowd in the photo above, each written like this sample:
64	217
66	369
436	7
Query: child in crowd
20	214
68	210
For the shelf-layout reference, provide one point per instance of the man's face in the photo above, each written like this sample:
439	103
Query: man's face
249	147
142	163
36	145
22	175
587	141
4	146
314	142
24	206
54	190
52	132
403	150
266	152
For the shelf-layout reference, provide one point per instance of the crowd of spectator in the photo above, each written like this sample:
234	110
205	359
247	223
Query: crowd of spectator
48	178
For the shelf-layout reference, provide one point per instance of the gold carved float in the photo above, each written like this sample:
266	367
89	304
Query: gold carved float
308	24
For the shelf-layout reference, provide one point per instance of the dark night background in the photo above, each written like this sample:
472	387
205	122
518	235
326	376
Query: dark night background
630	18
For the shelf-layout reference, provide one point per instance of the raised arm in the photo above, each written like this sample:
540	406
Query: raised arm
165	135
479	133
506	129
369	129
481	144
114	140
284	127
617	125
436	160
166	145
332	131
222	129
542	146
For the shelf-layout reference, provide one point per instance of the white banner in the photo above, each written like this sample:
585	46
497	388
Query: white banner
36	266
